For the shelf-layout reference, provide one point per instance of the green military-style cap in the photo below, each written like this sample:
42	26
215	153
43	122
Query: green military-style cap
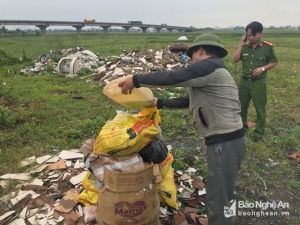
208	40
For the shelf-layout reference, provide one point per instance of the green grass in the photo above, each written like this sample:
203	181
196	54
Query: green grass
40	113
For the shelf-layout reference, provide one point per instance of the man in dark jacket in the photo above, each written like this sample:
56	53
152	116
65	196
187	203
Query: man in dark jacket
214	103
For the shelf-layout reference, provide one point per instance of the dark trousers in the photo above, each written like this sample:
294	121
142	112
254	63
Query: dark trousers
224	161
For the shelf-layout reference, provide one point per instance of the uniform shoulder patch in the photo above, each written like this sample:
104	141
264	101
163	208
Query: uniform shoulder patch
268	43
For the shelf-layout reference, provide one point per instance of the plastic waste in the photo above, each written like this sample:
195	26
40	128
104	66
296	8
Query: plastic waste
156	151
127	164
98	185
140	97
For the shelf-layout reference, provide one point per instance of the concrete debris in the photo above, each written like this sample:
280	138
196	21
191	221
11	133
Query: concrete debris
104	69
85	59
140	61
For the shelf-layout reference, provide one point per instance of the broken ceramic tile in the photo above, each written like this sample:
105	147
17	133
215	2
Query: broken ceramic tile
21	195
184	177
191	170
23	213
68	202
18	176
180	219
70	155
60	165
198	183
77	179
32	220
38	169
53	159
202	192
42	159
37	182
19	221
7	214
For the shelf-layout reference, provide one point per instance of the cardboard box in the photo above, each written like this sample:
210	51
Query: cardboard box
128	181
128	198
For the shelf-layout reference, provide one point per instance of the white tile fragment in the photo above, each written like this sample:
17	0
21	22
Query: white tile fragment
16	176
7	214
53	159
23	213
68	163
43	221
64	154
60	219
42	159
202	192
20	196
19	221
37	182
51	222
38	169
78	178
32	220
80	211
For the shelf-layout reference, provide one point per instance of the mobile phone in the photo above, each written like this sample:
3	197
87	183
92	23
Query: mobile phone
245	39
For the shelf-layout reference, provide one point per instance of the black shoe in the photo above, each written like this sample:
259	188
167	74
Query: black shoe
256	139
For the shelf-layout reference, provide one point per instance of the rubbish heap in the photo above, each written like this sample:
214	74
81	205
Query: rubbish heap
100	182
123	176
74	60
140	61
51	188
86	59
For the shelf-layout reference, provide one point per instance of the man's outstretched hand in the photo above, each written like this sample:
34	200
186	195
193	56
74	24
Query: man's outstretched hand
126	85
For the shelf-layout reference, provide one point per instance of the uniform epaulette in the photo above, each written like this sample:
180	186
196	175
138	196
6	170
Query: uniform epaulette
268	43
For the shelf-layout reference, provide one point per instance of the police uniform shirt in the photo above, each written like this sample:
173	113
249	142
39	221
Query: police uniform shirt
259	56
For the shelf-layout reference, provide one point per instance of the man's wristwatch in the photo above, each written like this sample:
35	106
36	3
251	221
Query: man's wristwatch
263	69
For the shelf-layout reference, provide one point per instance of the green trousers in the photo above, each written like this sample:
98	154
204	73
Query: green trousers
257	92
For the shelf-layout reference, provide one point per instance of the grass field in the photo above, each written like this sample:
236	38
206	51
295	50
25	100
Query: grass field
40	113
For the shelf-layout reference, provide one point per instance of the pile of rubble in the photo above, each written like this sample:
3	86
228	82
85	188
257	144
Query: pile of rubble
87	60
47	193
74	60
140	61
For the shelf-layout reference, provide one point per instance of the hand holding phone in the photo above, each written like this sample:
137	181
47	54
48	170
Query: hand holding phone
245	38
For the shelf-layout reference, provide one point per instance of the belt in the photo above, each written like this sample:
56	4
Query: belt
252	78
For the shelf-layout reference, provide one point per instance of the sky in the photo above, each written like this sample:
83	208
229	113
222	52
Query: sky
201	14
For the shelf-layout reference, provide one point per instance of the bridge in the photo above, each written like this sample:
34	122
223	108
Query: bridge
42	25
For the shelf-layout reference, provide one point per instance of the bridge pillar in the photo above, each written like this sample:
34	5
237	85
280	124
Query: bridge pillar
78	28
126	29
169	29
158	30
43	29
105	28
180	30
144	29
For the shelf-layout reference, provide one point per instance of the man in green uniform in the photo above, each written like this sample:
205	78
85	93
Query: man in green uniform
257	58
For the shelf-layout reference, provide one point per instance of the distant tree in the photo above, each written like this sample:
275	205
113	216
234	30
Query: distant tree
3	30
239	28
37	33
